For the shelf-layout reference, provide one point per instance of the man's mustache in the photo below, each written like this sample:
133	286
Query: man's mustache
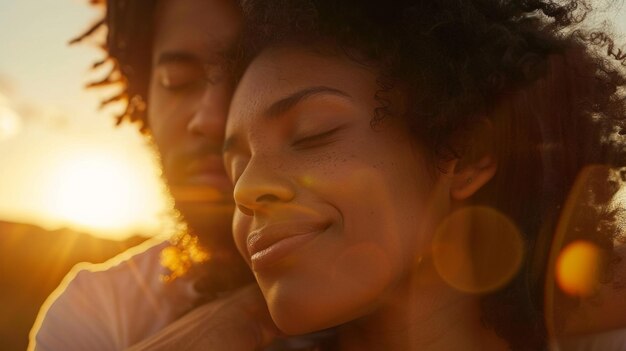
177	161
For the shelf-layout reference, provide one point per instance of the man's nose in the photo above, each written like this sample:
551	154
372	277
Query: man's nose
209	119
262	185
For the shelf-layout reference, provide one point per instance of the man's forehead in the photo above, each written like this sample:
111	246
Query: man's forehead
202	27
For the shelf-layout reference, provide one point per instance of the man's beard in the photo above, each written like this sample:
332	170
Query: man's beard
207	210
225	269
211	223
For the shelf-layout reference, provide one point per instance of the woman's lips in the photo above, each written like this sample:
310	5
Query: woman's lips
271	243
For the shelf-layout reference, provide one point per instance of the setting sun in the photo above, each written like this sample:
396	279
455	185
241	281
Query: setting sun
98	192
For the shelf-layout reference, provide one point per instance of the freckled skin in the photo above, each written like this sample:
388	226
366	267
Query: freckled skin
370	186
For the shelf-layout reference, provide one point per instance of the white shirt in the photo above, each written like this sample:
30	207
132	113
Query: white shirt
113	305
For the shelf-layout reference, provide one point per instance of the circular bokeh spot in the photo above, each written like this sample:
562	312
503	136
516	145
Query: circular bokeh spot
578	268
477	249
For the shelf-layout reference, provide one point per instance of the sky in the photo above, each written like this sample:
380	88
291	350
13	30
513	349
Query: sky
62	162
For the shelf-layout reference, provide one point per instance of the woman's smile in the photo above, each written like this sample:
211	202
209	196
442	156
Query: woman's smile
274	241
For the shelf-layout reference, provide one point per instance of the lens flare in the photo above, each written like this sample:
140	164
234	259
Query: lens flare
571	267
578	268
477	250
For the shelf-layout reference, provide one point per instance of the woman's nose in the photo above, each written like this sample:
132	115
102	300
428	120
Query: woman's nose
260	186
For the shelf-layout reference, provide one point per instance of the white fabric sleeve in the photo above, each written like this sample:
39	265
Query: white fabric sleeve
72	318
112	306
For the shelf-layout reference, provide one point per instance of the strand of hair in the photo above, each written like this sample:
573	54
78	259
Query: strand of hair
88	33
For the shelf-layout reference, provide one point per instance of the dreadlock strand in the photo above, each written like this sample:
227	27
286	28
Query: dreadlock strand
112	99
88	32
97	64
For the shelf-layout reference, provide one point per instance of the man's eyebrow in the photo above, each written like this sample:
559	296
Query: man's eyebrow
285	104
177	56
181	56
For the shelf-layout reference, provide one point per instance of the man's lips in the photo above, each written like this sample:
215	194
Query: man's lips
272	242
201	179
211	163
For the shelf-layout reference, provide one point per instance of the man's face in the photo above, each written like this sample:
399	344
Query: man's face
188	101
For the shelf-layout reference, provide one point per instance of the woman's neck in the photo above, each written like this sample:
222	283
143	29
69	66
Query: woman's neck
423	314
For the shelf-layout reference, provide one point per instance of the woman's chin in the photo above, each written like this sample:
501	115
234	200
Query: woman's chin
298	319
294	324
301	314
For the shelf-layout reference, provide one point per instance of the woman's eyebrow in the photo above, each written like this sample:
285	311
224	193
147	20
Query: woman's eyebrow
285	104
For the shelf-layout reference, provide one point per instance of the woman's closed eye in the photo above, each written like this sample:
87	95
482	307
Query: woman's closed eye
316	140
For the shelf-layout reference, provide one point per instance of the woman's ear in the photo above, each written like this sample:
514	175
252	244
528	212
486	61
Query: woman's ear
470	177
478	163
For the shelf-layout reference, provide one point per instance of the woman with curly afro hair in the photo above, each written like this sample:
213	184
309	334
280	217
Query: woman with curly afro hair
419	174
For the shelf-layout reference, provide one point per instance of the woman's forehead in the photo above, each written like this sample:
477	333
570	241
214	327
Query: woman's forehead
278	72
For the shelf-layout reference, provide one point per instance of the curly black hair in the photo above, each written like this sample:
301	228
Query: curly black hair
556	103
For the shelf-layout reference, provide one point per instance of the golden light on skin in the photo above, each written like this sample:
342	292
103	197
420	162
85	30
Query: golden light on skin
96	192
578	268
306	181
477	249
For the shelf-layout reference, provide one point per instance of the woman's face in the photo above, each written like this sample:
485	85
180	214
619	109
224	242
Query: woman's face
331	212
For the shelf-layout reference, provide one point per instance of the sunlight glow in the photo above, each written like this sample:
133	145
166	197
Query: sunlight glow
96	192
10	122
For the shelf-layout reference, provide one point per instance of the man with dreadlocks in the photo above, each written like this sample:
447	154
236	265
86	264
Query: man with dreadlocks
169	57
